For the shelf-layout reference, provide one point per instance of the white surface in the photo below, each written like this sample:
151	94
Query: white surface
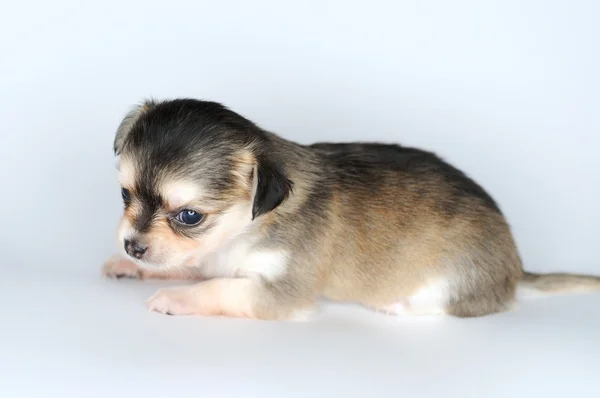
68	334
506	90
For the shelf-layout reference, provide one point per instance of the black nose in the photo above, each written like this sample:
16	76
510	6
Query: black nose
134	248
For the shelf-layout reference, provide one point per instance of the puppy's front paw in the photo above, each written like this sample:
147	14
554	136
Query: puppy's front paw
173	301
120	267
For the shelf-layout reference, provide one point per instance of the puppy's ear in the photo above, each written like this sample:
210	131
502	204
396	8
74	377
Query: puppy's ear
272	186
127	123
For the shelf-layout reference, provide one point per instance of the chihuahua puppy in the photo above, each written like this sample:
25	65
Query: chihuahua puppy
266	226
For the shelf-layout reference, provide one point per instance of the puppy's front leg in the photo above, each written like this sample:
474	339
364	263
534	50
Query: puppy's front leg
235	297
119	266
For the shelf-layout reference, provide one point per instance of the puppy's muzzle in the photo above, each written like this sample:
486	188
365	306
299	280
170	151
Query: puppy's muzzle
134	248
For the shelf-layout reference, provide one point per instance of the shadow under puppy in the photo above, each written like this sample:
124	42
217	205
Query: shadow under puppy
268	226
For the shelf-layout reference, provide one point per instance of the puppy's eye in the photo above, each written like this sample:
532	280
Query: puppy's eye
189	217
126	195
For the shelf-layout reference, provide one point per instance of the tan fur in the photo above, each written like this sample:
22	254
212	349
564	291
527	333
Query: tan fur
431	243
560	283
243	168
164	240
126	173
179	194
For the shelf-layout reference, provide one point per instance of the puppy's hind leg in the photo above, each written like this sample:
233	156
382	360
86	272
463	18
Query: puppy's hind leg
487	299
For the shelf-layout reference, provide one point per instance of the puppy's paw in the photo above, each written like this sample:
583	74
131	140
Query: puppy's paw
120	267
173	301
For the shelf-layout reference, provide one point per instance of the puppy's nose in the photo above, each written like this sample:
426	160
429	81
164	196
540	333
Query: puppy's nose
134	248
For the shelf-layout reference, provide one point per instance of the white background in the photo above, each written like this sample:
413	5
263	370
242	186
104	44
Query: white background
506	90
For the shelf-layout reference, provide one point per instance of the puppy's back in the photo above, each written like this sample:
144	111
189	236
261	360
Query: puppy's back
379	169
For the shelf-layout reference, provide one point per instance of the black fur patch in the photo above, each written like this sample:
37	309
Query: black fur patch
366	164
273	187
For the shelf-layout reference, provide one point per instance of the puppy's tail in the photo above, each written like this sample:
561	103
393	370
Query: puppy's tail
559	283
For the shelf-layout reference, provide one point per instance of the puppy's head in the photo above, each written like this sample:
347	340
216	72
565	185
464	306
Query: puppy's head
193	175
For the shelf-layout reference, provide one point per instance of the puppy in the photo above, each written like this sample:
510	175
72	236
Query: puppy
266	226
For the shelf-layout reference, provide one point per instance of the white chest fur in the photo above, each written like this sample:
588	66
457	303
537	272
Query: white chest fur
240	258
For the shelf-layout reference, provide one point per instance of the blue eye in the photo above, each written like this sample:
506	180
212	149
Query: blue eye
189	217
125	195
